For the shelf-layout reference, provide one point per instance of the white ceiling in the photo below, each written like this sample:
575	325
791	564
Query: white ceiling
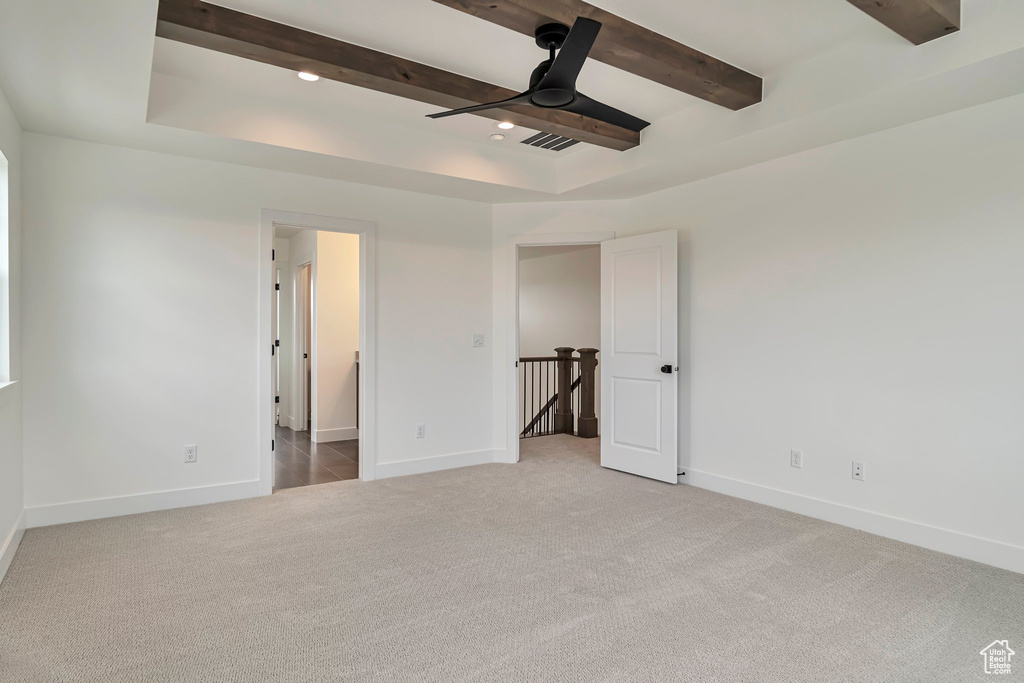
93	70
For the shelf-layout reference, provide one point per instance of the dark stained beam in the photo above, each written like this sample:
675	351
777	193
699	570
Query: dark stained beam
243	35
629	47
916	20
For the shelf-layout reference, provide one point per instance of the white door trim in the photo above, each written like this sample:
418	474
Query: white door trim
367	232
303	367
512	309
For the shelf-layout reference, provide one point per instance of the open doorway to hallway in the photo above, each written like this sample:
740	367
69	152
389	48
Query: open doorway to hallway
559	335
316	361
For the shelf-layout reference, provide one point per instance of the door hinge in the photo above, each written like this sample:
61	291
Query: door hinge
277	399
273	255
273	349
277	342
277	286
272	444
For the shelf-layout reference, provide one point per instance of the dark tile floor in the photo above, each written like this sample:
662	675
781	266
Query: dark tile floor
300	462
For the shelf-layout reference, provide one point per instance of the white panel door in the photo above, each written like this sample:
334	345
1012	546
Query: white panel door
639	355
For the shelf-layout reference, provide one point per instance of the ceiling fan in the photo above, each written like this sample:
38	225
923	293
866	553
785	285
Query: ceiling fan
553	82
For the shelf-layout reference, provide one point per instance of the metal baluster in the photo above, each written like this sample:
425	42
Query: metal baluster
542	425
576	419
533	389
533	383
544	399
526	398
552	395
552	391
523	389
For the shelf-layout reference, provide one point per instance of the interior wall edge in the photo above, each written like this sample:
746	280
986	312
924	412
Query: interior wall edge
10	545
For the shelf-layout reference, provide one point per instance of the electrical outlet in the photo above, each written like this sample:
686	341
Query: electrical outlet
796	459
858	470
421	431
191	453
478	341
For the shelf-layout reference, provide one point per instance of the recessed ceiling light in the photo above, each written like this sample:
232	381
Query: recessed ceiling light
307	76
505	125
497	137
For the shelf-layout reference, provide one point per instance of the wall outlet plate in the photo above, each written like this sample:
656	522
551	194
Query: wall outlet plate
796	459
421	431
478	341
858	470
191	453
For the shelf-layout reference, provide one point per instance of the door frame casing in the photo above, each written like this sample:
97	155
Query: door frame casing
367	232
303	386
515	242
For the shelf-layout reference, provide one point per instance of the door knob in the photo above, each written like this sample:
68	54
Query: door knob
667	369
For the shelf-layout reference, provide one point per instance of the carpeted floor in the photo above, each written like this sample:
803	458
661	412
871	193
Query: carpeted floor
550	570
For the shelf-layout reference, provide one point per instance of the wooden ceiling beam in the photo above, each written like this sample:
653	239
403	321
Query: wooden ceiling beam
236	33
919	21
629	47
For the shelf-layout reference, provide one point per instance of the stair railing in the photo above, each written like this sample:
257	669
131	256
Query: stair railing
557	394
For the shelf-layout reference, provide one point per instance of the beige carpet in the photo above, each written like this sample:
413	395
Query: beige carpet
550	570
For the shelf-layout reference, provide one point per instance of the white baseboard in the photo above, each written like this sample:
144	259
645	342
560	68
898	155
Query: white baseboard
10	544
385	470
340	434
502	455
988	551
77	511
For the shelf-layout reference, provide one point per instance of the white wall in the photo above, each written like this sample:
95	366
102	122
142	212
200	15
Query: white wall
141	295
559	298
859	301
11	460
336	292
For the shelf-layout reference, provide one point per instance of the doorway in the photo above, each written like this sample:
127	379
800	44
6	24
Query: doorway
638	416
317	441
559	337
317	386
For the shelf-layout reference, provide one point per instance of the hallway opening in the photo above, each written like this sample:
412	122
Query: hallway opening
316	356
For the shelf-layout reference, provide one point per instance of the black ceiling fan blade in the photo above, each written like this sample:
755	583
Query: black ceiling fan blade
521	98
573	54
602	112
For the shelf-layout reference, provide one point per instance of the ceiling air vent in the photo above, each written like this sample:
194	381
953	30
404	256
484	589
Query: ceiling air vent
556	143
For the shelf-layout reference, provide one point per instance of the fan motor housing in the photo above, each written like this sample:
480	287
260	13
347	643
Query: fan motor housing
551	35
553	97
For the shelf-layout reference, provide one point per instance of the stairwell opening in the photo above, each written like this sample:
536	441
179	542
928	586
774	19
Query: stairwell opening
558	369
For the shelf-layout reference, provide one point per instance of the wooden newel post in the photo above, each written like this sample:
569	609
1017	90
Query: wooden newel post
563	409
587	426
